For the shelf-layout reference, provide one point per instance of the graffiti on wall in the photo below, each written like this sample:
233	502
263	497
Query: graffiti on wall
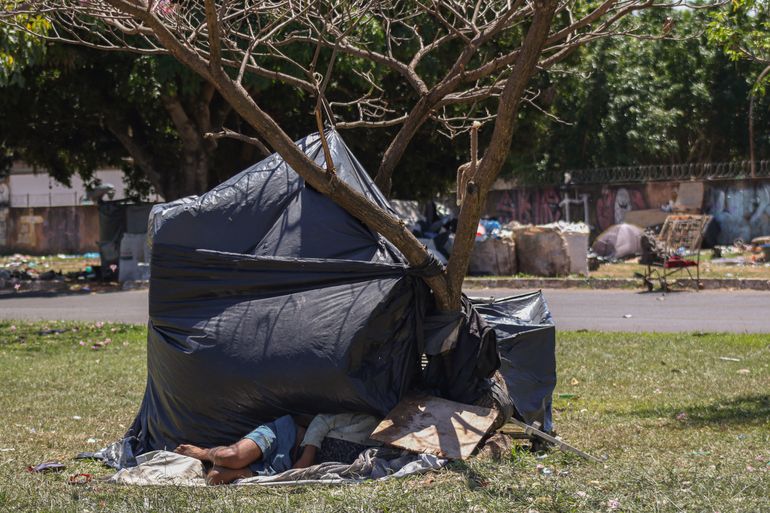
613	205
529	206
741	212
741	209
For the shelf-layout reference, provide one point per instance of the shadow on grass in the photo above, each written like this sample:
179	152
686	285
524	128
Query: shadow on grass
746	409
473	479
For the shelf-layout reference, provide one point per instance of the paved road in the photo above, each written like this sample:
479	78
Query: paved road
734	311
606	310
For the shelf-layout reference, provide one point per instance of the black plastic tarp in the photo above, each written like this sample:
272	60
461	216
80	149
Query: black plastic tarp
526	340
266	298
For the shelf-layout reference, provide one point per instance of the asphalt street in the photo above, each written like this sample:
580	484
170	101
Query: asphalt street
572	309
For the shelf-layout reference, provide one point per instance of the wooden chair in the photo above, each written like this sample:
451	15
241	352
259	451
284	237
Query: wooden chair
665	256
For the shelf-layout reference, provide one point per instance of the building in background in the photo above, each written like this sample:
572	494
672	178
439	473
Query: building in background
31	188
40	215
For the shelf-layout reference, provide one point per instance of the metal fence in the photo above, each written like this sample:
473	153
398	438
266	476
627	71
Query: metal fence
54	199
674	172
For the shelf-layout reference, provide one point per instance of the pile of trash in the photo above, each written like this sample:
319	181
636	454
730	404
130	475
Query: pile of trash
556	249
434	224
22	273
740	253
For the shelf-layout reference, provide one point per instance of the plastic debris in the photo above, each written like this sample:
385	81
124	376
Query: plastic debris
47	466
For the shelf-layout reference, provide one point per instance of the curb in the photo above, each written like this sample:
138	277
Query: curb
495	282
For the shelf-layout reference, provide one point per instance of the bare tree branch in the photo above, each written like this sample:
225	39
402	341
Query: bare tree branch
232	134
459	63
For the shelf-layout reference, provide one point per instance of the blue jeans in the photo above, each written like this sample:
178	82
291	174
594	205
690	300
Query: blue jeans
276	440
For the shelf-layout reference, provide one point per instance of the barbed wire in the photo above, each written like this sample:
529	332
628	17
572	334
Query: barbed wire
55	199
670	172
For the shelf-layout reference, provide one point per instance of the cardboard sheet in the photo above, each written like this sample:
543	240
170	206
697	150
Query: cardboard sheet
436	426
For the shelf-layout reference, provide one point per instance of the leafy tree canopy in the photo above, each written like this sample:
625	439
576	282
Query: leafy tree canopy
620	101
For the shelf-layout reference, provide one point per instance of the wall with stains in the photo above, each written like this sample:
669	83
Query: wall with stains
49	230
741	208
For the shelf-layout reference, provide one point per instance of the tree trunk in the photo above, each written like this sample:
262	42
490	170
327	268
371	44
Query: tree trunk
196	149
142	158
194	171
397	147
499	146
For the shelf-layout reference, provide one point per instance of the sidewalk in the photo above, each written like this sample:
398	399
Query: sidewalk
510	282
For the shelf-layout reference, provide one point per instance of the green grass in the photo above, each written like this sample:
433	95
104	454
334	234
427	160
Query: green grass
708	270
620	397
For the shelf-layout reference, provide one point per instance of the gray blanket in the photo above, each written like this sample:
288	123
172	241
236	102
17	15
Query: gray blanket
168	468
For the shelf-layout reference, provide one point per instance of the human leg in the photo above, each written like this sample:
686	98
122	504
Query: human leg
235	456
223	475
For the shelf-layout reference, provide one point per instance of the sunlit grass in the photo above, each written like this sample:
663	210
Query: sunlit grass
684	425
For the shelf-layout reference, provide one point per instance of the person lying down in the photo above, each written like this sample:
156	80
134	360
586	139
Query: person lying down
283	444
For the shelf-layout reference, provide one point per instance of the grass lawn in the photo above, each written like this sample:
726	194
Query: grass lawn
684	427
707	270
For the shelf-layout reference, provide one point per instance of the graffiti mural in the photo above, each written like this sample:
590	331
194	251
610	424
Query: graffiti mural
741	212
741	209
547	204
613	204
529	206
505	208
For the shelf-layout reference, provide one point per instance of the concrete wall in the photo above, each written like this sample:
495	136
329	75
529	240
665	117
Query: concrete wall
741	208
49	230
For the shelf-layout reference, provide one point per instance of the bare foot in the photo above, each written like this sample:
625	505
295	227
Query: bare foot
193	451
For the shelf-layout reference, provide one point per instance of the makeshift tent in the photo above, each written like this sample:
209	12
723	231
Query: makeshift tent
619	241
267	298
